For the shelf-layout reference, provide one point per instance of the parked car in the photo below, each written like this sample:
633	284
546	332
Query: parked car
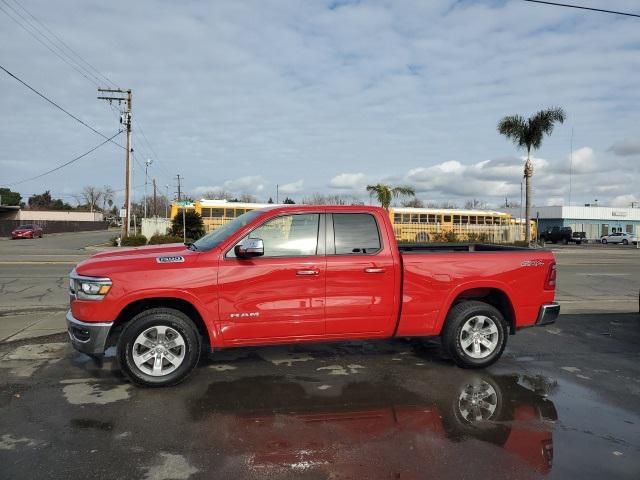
563	235
619	237
303	274
26	231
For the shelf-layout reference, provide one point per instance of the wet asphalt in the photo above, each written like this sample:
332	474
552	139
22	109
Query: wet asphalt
563	402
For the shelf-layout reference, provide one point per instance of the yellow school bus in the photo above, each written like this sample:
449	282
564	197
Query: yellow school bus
440	225
216	213
409	224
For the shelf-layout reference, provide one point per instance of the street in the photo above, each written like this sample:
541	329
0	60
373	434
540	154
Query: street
563	401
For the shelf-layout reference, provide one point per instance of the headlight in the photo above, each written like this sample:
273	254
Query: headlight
88	288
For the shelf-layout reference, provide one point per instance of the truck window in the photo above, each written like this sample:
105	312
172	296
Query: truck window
355	233
288	236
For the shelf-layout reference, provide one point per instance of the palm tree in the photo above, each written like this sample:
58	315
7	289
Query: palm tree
385	193
528	133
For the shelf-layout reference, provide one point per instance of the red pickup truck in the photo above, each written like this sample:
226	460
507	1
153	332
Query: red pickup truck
303	274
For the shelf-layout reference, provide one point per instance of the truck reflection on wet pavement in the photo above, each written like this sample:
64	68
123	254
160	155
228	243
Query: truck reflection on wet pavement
347	410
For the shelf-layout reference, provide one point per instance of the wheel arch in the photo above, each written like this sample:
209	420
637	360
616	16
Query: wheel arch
137	306
493	296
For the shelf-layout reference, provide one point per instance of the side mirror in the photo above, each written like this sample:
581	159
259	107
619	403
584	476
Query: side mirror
251	247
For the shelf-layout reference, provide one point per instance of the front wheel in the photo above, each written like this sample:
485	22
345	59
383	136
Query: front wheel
625	242
159	347
604	241
475	334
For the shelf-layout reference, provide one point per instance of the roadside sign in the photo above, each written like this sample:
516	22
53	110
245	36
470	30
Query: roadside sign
123	212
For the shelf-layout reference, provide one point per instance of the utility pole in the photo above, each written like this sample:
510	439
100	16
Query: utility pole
179	187
277	193
118	95
147	162
166	205
155	199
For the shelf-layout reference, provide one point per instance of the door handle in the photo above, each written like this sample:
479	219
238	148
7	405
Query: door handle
374	270
307	272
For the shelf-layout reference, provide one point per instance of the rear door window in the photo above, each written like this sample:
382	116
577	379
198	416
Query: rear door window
356	234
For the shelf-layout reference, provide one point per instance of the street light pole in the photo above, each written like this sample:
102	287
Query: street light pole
147	162
166	204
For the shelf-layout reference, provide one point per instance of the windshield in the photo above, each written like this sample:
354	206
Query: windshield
25	227
219	235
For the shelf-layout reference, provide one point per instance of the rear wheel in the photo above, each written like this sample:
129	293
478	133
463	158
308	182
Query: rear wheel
625	242
604	241
159	347
565	241
475	334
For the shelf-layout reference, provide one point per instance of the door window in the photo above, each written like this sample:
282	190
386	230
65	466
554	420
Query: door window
288	236
355	233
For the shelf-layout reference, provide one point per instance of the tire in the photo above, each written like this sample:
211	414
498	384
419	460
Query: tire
461	321
176	328
478	410
603	241
625	242
565	241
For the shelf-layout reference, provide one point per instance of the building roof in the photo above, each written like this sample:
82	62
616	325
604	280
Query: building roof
583	213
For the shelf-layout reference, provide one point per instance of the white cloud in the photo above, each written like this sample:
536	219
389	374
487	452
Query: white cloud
293	187
302	90
247	184
625	200
349	181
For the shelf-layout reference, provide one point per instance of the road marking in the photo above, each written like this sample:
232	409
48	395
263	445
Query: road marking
33	262
603	274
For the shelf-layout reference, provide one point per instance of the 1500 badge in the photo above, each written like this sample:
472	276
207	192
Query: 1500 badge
173	259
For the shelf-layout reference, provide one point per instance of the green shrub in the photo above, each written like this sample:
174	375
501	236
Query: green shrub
194	225
451	237
134	241
162	239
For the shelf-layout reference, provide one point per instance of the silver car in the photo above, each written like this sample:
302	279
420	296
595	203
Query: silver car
619	237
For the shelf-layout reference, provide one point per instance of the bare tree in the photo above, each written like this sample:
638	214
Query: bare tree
91	196
335	199
413	203
476	204
247	198
217	194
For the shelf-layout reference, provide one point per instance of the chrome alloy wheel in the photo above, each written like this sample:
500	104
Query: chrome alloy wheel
478	402
158	351
479	336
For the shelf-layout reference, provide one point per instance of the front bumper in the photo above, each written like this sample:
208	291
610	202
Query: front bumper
548	314
88	337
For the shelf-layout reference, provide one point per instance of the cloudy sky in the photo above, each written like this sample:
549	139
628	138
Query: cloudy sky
326	96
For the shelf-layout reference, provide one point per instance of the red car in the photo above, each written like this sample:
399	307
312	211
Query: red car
26	231
304	274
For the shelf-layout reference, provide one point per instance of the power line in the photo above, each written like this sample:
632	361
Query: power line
580	7
64	164
41	41
63	43
44	97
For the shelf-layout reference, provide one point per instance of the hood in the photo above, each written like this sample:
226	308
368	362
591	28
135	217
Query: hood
132	259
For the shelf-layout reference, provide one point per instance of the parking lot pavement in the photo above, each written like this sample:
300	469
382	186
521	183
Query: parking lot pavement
33	281
562	403
592	279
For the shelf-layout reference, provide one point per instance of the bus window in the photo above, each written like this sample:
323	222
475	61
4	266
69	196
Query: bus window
446	219
397	218
205	213
456	219
432	218
415	218
231	213
424	218
217	212
406	218
465	219
488	220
